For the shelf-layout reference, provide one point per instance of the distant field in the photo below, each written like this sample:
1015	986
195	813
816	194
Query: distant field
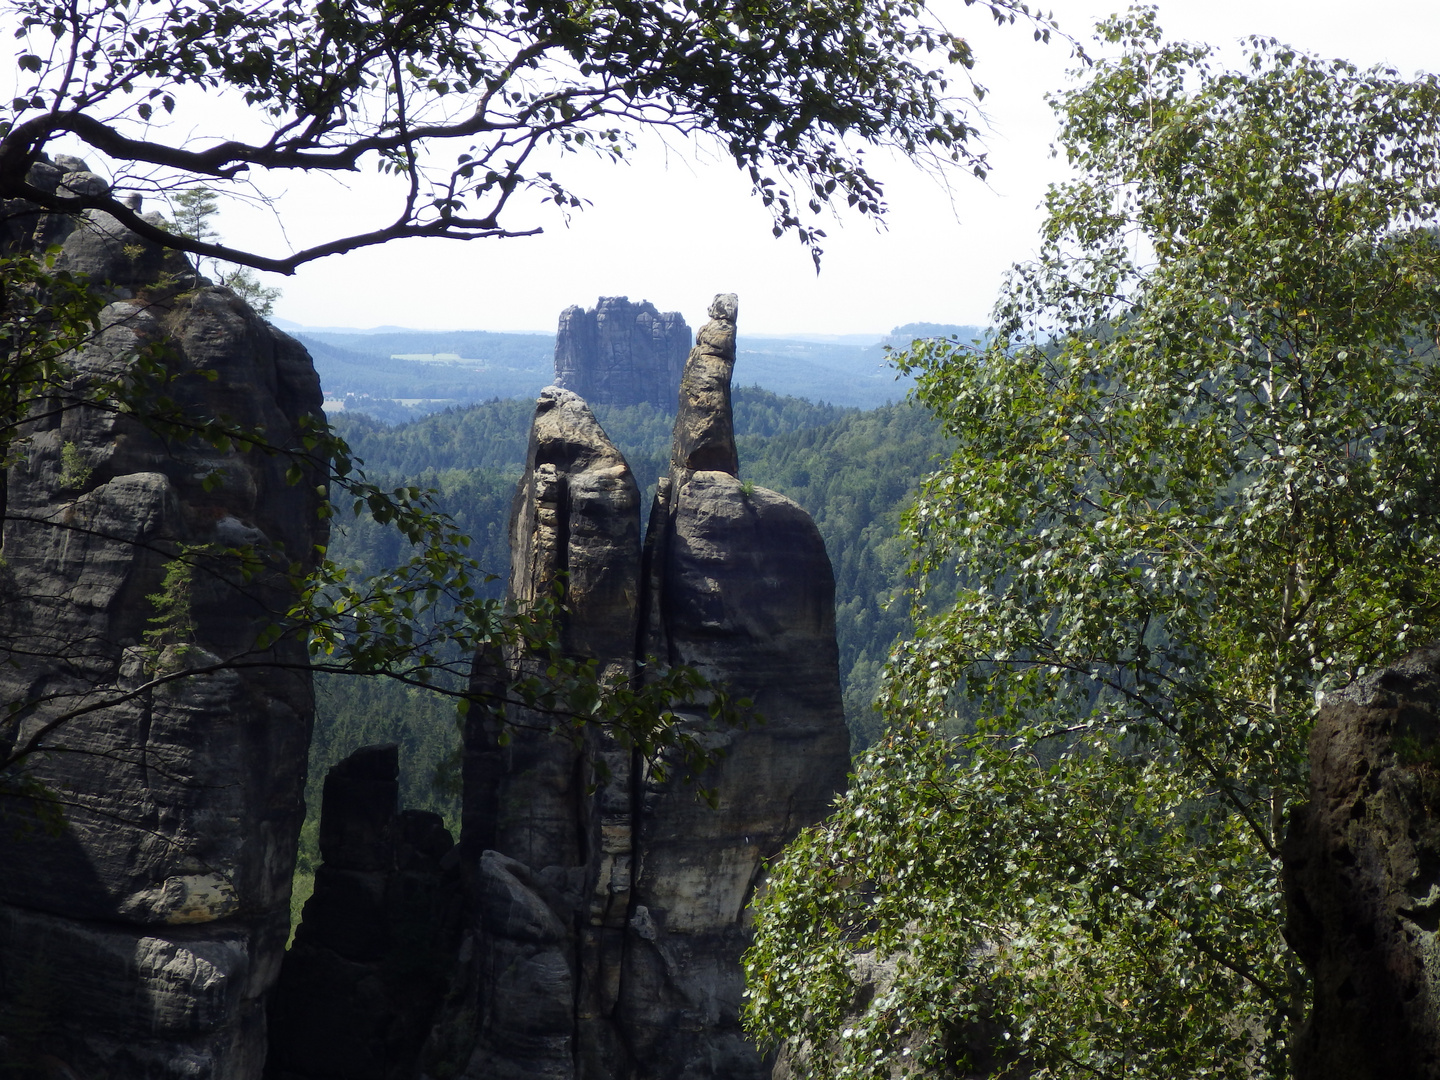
401	375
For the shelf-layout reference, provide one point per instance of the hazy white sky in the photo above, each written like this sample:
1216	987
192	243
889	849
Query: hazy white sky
680	224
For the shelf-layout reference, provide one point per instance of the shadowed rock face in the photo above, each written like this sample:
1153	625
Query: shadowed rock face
607	925
620	353
546	861
371	959
144	909
1362	872
738	585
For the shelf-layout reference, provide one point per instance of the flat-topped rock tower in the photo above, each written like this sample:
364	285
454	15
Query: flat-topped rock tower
621	353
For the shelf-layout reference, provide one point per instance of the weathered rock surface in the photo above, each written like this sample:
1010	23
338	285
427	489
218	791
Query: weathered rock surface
621	353
144	907
547	863
373	952
1362	869
607	909
738	584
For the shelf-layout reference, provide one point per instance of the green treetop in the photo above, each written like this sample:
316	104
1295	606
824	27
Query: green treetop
1195	488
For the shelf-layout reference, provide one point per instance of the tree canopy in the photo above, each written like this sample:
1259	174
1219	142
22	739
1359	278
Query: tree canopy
463	100
1196	486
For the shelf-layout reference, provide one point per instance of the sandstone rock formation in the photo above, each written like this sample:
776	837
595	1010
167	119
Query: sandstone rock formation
545	863
737	584
1362	868
620	353
372	957
606	907
147	853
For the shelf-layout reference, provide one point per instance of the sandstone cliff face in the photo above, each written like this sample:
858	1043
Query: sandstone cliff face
606	907
143	909
1362	869
737	584
620	353
546	865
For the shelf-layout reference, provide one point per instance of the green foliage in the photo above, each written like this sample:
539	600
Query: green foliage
1194	488
466	102
174	620
46	315
194	209
74	473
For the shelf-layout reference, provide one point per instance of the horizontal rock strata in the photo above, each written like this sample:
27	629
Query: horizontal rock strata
147	851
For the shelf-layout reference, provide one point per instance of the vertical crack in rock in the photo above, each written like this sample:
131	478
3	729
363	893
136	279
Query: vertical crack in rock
141	929
1362	879
607	909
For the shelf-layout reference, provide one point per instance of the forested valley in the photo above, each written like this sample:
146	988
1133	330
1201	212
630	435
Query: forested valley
854	471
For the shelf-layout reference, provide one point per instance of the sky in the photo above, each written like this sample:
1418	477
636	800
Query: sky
679	224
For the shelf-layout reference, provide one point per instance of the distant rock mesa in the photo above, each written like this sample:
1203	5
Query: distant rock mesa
621	353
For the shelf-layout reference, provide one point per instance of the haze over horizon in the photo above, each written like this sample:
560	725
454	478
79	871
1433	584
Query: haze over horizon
678	224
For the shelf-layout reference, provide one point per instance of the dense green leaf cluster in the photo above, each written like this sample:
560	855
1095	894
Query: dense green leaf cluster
1195	487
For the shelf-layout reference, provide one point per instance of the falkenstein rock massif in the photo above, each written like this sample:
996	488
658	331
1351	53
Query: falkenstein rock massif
621	353
590	920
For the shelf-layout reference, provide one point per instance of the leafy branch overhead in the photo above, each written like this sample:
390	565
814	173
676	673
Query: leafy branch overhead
464	101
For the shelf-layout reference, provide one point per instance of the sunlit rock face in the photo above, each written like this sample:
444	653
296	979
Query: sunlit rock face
148	848
621	353
1362	874
737	584
607	907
